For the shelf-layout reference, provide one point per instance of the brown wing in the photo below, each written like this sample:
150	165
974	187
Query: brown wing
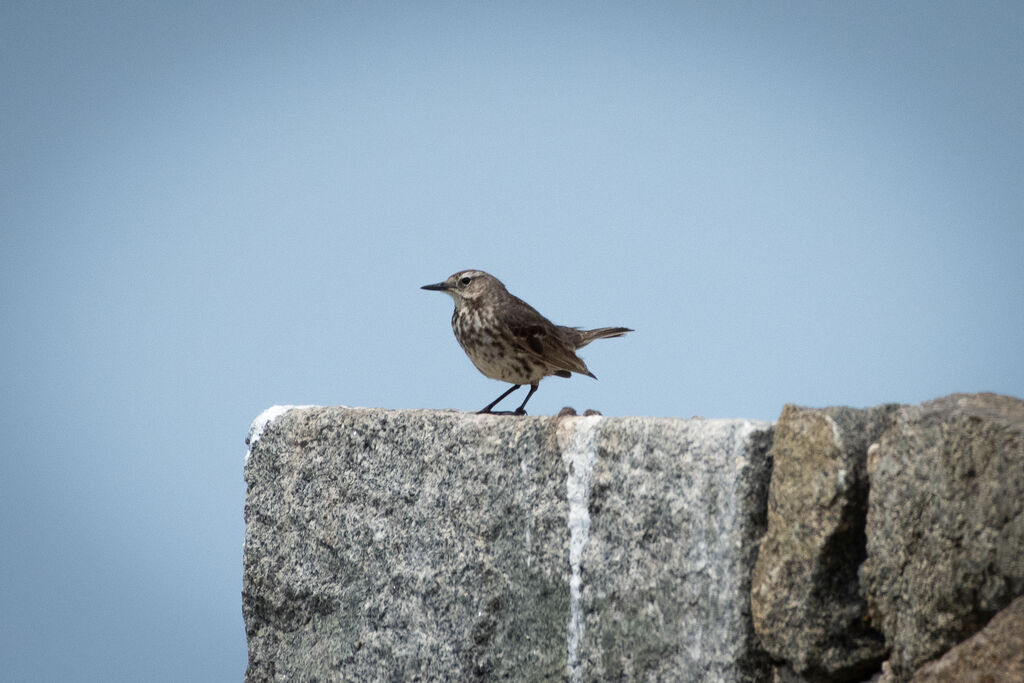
542	339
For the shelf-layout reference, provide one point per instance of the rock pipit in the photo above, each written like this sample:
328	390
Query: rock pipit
508	340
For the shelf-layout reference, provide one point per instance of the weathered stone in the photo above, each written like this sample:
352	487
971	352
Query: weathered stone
995	654
808	608
404	545
785	674
416	545
677	508
945	526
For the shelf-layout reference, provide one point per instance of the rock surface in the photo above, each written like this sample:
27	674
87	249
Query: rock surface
993	655
945	525
419	545
422	545
677	508
807	603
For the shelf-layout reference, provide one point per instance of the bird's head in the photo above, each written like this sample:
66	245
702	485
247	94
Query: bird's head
467	286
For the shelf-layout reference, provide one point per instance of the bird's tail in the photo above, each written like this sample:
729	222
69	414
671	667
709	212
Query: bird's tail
584	337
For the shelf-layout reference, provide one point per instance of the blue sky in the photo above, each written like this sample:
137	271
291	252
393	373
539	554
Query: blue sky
210	208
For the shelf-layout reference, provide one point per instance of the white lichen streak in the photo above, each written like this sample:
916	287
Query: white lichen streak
577	438
261	422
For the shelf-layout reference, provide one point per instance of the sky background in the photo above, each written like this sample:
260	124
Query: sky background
210	208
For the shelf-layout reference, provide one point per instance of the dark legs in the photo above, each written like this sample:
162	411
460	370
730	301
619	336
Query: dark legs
521	410
487	408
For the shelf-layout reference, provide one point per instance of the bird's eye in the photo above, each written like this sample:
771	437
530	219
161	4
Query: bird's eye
465	280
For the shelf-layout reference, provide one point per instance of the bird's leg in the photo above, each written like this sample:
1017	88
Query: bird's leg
521	410
496	401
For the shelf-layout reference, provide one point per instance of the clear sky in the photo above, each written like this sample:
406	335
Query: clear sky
210	208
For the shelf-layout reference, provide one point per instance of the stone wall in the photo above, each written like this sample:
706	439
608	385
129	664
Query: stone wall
837	544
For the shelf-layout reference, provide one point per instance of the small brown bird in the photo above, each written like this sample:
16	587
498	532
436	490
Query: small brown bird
508	340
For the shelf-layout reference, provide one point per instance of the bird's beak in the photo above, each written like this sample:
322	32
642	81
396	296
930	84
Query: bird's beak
439	287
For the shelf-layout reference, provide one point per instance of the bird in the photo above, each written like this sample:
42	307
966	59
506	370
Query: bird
508	340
